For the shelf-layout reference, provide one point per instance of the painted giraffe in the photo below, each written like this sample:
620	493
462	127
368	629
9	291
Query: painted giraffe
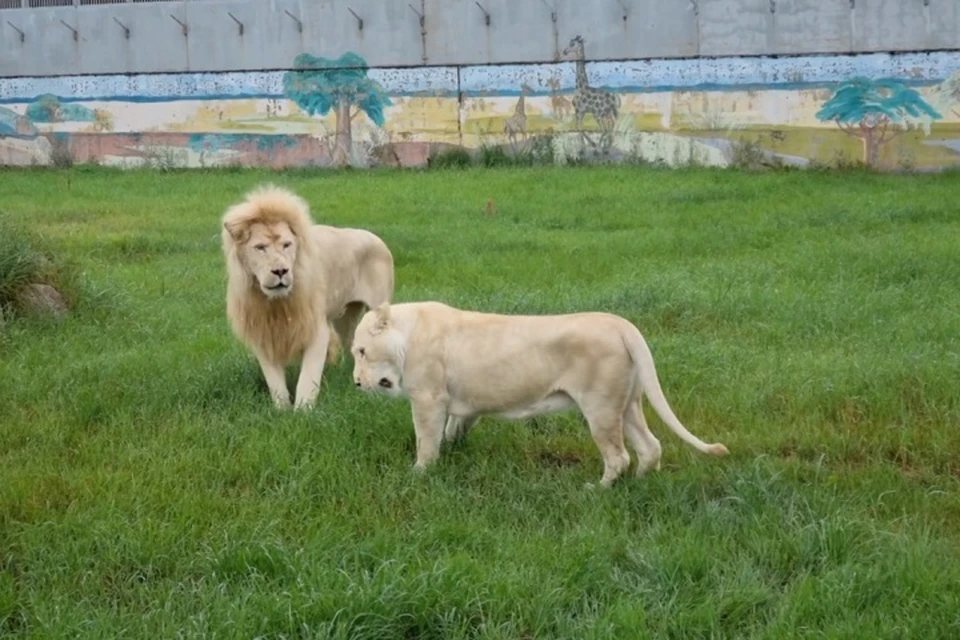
560	104
517	123
604	105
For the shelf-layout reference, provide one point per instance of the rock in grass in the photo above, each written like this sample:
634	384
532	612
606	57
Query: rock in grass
42	299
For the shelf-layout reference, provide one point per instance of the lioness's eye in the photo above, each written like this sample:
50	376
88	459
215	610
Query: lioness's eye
286	245
260	247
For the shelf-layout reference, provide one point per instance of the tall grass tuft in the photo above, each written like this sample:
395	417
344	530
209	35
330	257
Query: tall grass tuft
24	261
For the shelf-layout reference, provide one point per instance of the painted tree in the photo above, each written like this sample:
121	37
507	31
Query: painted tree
950	93
318	85
876	112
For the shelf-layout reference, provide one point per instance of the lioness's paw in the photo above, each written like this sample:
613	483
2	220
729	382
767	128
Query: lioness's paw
595	486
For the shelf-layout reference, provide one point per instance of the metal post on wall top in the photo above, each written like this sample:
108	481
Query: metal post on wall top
359	19
183	26
15	28
76	35
295	19
486	14
239	24
556	30
423	33
126	29
626	9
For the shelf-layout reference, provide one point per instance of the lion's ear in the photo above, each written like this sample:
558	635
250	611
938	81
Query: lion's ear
382	317
236	230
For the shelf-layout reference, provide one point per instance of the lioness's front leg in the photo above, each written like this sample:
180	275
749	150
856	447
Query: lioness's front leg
429	418
276	379
311	370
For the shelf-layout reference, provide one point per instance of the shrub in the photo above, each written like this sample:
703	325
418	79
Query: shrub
455	158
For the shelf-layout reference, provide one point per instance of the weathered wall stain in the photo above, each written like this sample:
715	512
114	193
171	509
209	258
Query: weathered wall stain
889	110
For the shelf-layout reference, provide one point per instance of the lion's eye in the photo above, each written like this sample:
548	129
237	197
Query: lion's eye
286	245
361	351
261	247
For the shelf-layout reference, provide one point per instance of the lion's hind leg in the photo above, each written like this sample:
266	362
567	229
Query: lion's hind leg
334	347
346	324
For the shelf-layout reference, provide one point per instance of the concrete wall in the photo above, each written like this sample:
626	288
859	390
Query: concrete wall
892	111
454	32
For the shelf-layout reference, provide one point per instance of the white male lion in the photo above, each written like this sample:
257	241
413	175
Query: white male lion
457	365
290	279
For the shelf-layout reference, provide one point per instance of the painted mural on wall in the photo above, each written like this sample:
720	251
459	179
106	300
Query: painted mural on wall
888	110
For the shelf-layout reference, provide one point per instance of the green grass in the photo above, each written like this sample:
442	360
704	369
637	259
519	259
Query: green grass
808	320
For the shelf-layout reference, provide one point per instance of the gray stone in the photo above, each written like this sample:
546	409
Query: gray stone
42	299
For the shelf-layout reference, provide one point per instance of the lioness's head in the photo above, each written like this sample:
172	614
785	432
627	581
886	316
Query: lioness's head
266	233
378	353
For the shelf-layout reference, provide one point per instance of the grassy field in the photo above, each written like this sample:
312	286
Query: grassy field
809	321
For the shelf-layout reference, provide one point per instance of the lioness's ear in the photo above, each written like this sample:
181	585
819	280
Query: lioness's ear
382	317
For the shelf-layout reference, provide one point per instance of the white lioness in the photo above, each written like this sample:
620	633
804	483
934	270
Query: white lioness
290	279
457	365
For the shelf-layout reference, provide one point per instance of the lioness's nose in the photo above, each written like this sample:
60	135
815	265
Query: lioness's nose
279	272
356	382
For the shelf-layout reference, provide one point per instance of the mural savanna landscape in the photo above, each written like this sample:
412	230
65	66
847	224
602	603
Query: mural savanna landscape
333	111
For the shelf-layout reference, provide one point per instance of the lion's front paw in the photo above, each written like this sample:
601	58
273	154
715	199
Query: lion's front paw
303	405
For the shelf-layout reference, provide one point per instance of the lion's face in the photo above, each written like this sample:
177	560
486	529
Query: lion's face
269	254
377	355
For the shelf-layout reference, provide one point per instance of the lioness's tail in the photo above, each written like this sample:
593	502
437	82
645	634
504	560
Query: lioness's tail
647	376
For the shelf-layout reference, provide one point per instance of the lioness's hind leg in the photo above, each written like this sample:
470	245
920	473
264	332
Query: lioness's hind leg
457	428
641	439
606	427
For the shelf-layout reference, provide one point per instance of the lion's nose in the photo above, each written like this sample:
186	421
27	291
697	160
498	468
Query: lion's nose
356	382
279	272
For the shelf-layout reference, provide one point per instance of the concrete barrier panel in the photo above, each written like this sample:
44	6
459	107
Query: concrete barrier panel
943	24
519	32
889	25
156	41
630	29
48	47
13	52
390	34
270	38
812	26
599	23
657	29
735	27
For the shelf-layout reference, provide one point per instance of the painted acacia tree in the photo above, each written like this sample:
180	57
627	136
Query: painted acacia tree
950	93
876	112
319	85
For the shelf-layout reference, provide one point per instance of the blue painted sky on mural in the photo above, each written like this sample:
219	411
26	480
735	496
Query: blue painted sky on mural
714	74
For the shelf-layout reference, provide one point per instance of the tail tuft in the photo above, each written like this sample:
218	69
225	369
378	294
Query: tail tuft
717	450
